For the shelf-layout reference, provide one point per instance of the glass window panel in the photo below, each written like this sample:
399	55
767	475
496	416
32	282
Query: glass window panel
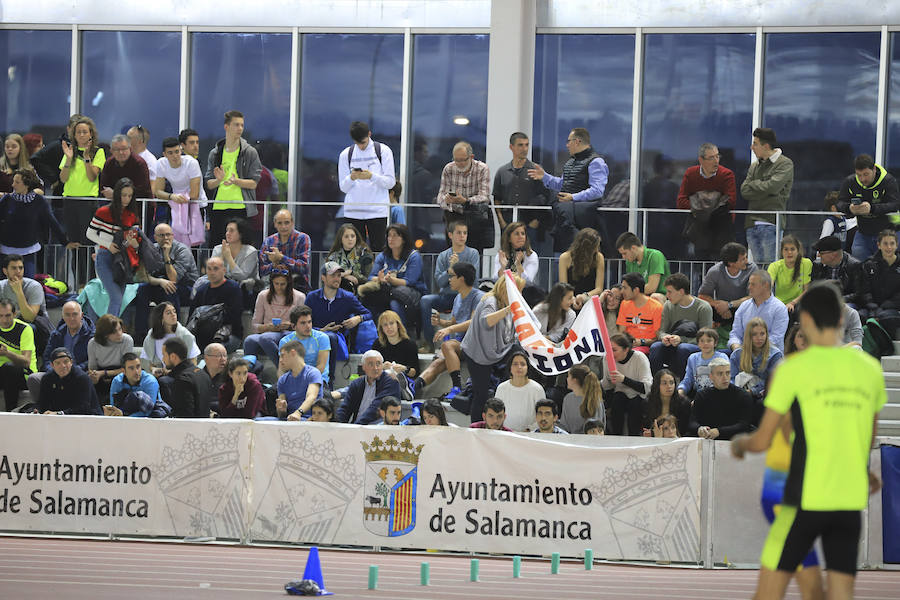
585	81
130	78
449	103
697	88
344	78
38	82
821	98
892	154
251	73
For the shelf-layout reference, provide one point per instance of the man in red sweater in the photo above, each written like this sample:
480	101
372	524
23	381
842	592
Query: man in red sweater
710	176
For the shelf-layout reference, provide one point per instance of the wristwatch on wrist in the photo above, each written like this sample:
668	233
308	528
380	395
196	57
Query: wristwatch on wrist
731	306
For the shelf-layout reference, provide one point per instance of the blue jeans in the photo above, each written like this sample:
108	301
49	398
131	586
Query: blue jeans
104	266
442	302
864	246
674	356
264	343
761	242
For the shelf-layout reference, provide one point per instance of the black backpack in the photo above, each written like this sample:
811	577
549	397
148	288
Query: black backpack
353	147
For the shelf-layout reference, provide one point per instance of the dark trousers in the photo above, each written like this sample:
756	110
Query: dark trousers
218	219
373	230
481	383
12	380
620	407
148	293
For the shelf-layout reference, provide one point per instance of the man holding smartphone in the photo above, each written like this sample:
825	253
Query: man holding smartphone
465	190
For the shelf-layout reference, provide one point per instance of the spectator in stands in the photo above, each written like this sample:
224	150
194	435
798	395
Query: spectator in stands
33	142
80	174
837	224
215	362
791	273
519	393
555	313
190	146
299	386
397	213
66	389
241	396
465	195
584	402
516	255
221	290
46	160
24	217
667	427
105	352
722	411
73	332
795	340
870	195
241	260
767	187
881	279
183	175
513	187
584	179
443	301
639	315
401	357
27	296
488	341
322	411
493	417
286	249
725	286
753	363
762	304
433	413
583	266
626	388
111	222
396	280
683	316
593	427
187	394
173	284
335	311
365	174
131	378
838	265
546	415
705	184
316	344
696	374
649	263
15	157
139	138
271	316
389	411
232	173
663	401
125	164
364	395
449	356
18	357
163	326
353	255
610	302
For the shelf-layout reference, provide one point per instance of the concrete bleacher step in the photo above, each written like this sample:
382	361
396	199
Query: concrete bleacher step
888	427
897	347
891	410
890	364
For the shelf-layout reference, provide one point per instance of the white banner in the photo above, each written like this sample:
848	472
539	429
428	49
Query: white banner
402	487
584	338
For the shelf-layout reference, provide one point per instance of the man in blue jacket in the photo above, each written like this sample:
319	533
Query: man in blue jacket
364	395
73	333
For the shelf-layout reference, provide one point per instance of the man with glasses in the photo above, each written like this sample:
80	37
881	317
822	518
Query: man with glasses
173	283
125	164
705	184
465	195
215	359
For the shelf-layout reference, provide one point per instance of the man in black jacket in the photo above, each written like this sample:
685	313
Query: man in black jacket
186	389
837	265
870	195
723	410
66	389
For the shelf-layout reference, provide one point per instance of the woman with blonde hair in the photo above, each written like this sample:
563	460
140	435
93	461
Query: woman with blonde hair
584	402
583	266
753	363
15	158
489	339
400	352
79	172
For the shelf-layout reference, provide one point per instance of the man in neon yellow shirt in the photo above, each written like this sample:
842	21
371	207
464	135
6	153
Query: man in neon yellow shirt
17	353
834	395
232	172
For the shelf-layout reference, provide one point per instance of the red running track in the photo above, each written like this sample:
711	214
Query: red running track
40	568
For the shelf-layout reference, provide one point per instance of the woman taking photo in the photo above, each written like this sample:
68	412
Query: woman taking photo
626	387
163	325
108	221
555	313
396	280
584	402
271	316
583	266
352	253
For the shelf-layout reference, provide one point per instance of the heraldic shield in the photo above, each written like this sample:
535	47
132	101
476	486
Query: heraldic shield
389	496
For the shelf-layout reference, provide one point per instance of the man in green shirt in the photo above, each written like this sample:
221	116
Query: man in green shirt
17	355
650	263
833	394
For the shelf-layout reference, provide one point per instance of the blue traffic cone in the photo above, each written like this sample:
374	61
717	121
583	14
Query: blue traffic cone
313	571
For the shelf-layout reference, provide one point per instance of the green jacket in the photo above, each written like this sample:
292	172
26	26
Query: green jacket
767	187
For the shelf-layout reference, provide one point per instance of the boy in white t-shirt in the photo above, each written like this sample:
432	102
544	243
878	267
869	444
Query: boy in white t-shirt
184	176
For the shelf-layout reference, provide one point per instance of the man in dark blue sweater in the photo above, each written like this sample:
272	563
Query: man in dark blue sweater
220	290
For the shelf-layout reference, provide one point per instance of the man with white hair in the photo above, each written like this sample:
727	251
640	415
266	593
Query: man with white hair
364	395
465	195
723	410
762	304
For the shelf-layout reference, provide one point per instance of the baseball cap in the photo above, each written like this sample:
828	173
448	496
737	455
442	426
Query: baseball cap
331	267
59	353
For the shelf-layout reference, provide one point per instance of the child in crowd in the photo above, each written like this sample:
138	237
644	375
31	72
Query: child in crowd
791	274
696	376
754	362
663	401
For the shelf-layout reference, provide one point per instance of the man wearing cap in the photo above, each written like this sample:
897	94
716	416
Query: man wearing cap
335	311
66	389
836	264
